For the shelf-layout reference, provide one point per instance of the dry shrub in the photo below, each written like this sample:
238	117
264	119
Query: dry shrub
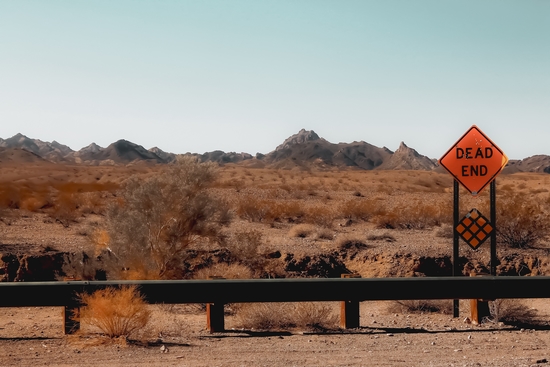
419	215
252	208
244	246
161	217
278	316
422	306
268	210
350	241
325	234
520	222
511	311
321	215
225	271
302	230
65	208
359	209
116	312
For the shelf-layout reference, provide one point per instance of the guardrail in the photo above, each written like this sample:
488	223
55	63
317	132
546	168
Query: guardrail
216	293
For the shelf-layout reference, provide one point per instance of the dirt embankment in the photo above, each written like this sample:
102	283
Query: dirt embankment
49	265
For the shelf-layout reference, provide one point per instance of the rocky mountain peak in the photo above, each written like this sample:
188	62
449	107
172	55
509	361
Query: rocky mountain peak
303	136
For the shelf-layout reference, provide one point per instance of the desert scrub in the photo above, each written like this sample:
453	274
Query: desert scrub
422	306
116	312
159	218
280	316
521	222
359	209
302	230
418	215
224	271
512	311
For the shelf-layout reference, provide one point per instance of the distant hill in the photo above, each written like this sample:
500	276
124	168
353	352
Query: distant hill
17	155
123	152
305	150
405	158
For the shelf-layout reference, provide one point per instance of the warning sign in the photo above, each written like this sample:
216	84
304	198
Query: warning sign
474	160
474	228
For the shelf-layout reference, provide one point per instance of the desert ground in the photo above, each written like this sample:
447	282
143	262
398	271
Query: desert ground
371	223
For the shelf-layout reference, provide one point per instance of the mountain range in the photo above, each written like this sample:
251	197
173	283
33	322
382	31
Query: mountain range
304	149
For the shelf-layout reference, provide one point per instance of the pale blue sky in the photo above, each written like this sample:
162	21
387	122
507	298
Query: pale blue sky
243	75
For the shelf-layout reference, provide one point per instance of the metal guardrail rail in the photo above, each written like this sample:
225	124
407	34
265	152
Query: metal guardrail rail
215	293
23	294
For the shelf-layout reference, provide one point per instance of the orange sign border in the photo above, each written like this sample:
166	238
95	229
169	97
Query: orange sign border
505	162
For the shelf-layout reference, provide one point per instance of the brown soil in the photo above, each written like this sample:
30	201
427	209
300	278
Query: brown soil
387	337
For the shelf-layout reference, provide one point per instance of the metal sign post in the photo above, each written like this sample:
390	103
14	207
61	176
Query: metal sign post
474	161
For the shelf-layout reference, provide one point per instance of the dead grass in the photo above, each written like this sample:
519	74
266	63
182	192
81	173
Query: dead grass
281	316
225	271
302	230
512	311
422	306
116	312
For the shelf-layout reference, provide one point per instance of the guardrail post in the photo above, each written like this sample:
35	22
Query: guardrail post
479	310
71	321
349	310
215	321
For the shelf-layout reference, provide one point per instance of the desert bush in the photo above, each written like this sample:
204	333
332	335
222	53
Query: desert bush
350	241
415	216
321	215
422	306
253	209
160	217
325	233
278	316
65	209
116	312
511	311
301	230
224	270
520	223
244	245
359	209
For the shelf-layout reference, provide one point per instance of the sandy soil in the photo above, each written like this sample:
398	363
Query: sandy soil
32	337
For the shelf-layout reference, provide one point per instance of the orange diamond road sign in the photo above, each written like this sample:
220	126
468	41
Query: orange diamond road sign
474	228
474	160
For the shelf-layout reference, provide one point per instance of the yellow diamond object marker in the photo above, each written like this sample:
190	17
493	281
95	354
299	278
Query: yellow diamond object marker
474	229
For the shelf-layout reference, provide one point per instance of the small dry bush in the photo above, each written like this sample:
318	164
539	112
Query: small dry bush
253	209
244	245
279	316
302	230
116	312
321	215
422	306
350	241
225	271
512	311
325	234
521	222
418	215
359	209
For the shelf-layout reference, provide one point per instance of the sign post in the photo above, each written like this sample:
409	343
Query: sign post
474	161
